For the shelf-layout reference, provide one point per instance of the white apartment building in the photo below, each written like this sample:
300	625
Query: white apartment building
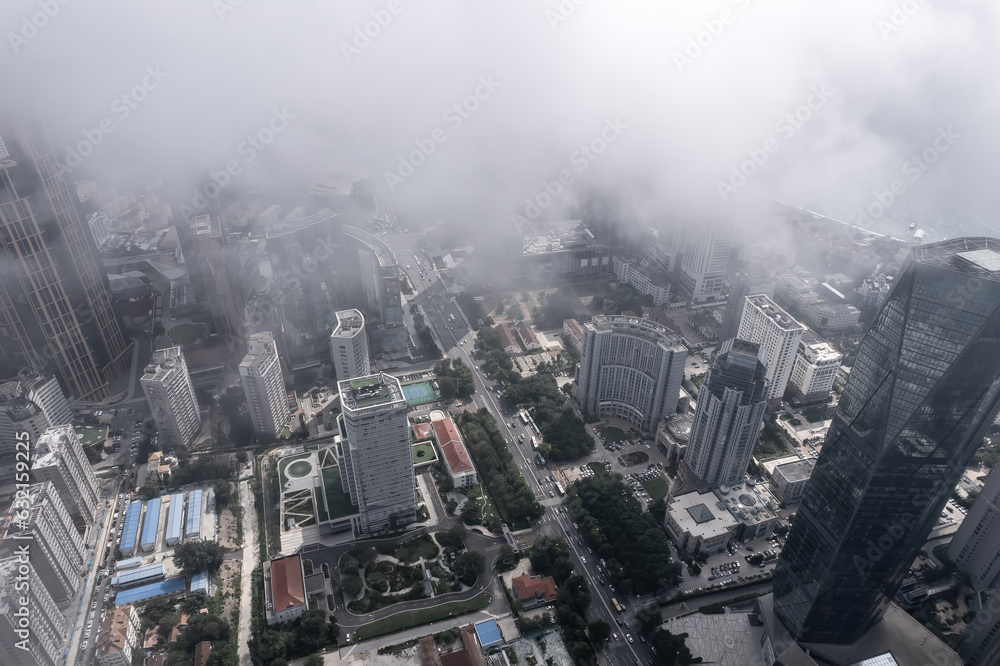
975	549
61	460
171	398
630	369
31	403
57	550
120	633
43	644
777	334
647	281
703	268
376	462
815	368
349	346
263	384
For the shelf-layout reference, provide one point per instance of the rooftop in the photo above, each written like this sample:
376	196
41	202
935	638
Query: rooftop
349	322
370	391
260	349
530	587
541	237
296	221
800	470
701	514
383	252
287	586
774	312
506	337
632	325
450	441
205	226
114	631
973	255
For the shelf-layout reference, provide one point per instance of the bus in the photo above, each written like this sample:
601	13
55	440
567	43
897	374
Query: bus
560	490
524	417
618	606
534	443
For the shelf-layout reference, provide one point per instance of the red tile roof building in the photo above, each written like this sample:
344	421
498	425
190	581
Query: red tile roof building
528	337
201	652
507	341
421	431
119	635
534	591
284	590
573	335
453	451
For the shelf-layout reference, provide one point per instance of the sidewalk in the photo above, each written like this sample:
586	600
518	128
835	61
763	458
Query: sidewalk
251	553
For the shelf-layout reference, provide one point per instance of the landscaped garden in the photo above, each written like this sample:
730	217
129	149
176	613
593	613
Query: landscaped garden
657	488
612	434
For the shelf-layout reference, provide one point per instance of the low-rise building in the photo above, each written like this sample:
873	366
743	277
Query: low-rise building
284	590
533	591
201	653
646	279
573	335
507	341
119	635
699	522
528	337
457	460
814	369
832	316
789	480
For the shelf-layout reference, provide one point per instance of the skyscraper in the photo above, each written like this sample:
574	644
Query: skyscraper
42	644
171	398
349	345
631	369
778	334
55	312
731	407
751	280
376	461
57	551
921	395
59	458
260	372
703	268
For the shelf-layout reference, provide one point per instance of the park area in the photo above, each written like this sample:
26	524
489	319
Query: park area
91	434
423	454
656	488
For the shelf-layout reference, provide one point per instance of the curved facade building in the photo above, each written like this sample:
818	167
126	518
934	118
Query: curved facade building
349	346
631	369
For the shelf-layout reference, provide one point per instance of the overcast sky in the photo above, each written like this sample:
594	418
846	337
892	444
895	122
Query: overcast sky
682	92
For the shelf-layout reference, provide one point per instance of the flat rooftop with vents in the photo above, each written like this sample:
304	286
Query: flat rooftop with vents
370	391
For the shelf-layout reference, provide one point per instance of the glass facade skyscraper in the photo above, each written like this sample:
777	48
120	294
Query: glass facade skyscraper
922	392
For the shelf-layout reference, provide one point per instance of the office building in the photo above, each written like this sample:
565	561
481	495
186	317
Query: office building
975	548
57	551
42	644
980	644
922	393
831	317
349	345
646	279
814	370
631	369
777	334
752	280
703	268
59	458
731	408
212	279
264	386
552	252
171	398
120	633
573	335
380	288
55	311
377	463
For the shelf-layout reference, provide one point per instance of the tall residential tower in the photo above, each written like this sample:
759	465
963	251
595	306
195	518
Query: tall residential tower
171	398
349	346
260	372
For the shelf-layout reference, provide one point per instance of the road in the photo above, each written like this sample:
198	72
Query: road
456	337
251	556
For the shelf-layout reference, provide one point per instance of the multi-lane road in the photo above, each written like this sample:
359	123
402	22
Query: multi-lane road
456	338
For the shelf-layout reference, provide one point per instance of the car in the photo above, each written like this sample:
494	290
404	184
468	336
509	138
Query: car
551	494
629	636
583	559
347	638
615	636
627	625
575	527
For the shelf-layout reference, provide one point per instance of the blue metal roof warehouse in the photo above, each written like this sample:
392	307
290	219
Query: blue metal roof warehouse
171	586
130	528
175	518
489	634
130	563
193	529
151	525
140	576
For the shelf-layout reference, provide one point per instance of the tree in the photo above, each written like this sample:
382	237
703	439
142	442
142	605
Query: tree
196	556
468	566
352	585
448	387
241	457
670	648
600	632
314	660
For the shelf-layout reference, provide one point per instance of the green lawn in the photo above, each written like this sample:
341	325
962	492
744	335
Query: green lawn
657	488
407	619
423	453
612	434
91	435
298	468
283	465
770	444
413	550
186	334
